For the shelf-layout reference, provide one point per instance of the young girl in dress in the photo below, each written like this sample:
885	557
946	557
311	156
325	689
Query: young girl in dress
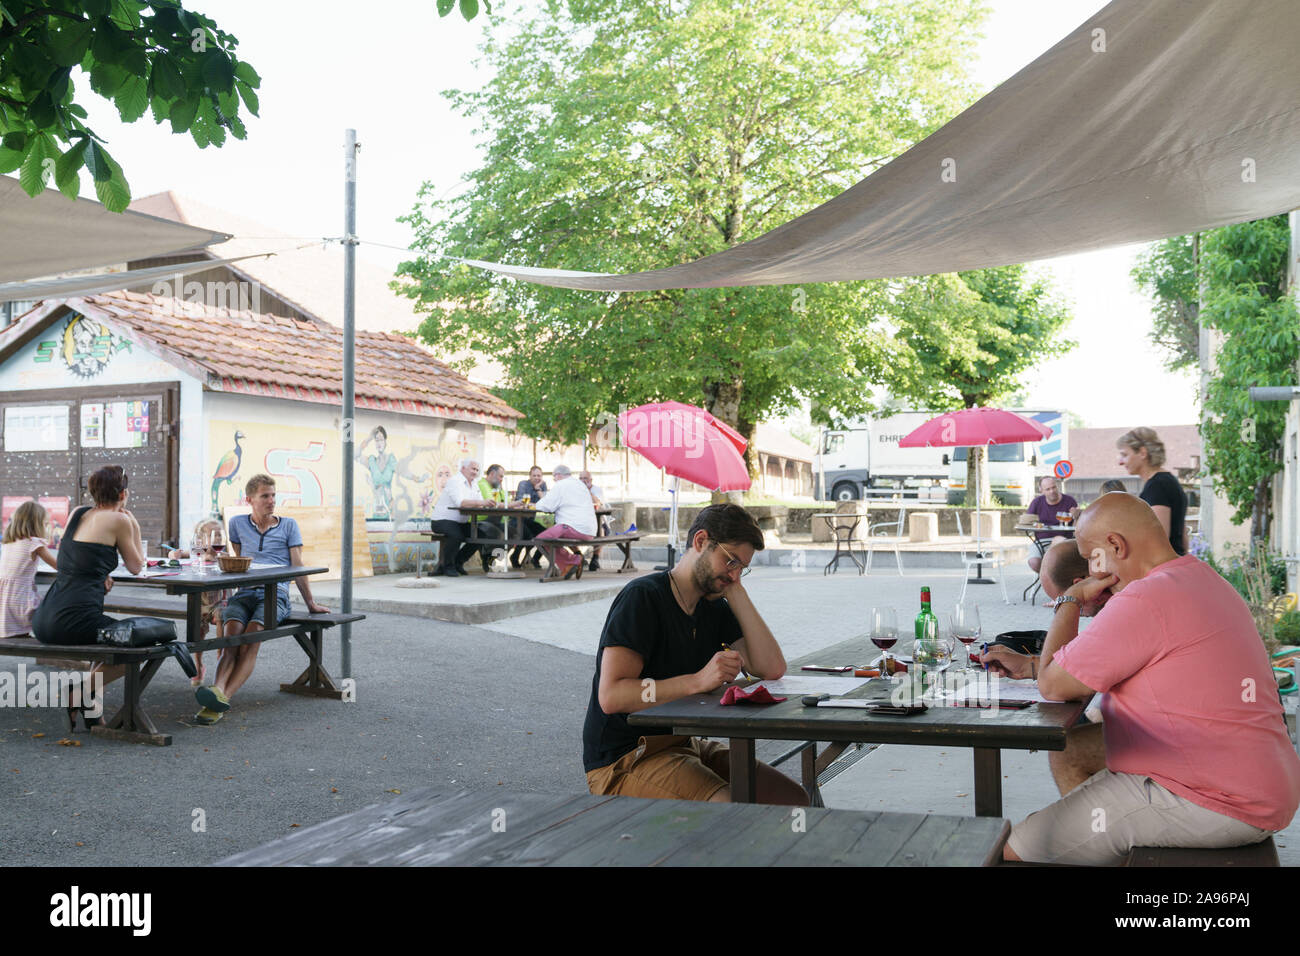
213	601
25	542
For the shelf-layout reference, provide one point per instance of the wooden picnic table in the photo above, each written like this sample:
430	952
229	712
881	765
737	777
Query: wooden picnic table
132	722
491	828
1040	726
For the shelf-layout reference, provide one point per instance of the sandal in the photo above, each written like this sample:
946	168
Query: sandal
212	699
206	718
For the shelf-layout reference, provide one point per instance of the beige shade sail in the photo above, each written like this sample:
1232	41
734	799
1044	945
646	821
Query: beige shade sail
1153	118
49	234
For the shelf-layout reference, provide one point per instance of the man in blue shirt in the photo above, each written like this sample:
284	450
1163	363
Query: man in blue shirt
268	539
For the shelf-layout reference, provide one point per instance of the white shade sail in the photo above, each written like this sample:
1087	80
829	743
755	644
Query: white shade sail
1154	118
49	234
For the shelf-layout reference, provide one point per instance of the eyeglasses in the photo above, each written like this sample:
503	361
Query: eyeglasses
733	562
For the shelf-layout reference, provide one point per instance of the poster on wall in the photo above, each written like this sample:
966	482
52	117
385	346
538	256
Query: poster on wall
36	428
126	425
57	507
92	425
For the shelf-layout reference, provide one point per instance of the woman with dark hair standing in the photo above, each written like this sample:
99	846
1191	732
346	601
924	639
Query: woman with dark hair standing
72	611
1142	453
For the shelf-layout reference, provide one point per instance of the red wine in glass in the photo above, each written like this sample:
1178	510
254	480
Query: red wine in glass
217	542
883	642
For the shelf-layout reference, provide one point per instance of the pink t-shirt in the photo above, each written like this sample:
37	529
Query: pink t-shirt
1190	697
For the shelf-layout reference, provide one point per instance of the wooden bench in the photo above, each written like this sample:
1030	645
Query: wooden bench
622	541
1263	853
500	828
132	722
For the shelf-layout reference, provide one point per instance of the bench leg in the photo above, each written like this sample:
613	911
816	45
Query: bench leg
132	723
315	681
626	548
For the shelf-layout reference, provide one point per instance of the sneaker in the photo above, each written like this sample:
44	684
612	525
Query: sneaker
212	699
207	718
594	565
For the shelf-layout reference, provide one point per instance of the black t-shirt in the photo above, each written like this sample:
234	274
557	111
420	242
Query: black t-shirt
646	618
1162	488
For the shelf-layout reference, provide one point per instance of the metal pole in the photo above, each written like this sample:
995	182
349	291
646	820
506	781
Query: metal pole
349	378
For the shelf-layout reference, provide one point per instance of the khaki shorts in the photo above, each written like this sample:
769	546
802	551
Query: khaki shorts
1099	821
667	767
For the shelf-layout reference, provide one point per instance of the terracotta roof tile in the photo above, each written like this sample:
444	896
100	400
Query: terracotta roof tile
267	354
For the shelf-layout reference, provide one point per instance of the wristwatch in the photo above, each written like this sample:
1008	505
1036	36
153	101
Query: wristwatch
1065	599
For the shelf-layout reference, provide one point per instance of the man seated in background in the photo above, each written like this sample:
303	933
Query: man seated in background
447	520
1045	507
575	517
1195	749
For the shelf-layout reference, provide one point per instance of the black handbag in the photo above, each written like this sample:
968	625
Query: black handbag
149	632
1023	642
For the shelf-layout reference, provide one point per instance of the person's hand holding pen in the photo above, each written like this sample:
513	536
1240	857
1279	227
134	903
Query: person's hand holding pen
1005	662
721	669
747	675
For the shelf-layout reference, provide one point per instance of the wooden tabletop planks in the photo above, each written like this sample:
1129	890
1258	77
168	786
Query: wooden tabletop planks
426	828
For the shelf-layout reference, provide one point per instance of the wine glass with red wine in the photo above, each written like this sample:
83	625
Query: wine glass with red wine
883	631
965	626
217	541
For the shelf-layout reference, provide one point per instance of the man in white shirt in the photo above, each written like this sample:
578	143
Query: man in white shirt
448	520
575	516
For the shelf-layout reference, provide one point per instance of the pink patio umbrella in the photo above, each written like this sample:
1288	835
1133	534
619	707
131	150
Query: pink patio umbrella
976	427
686	442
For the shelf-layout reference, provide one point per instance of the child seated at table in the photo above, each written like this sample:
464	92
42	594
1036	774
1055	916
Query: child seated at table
211	601
25	542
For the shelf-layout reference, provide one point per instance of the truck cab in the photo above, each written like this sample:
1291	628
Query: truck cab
1009	471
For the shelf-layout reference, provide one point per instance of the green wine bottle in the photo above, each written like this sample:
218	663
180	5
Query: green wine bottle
926	615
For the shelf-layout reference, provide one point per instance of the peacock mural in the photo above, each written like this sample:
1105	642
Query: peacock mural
227	469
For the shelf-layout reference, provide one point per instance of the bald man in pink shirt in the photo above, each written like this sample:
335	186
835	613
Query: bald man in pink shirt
1196	751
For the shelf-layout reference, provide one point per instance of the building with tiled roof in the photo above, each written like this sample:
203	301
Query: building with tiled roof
194	399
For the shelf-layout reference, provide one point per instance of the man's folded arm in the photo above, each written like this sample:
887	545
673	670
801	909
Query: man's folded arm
622	690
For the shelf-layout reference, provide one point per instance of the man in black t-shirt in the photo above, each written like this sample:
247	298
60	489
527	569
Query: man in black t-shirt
666	637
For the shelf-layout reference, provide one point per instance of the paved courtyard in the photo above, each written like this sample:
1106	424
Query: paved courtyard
438	704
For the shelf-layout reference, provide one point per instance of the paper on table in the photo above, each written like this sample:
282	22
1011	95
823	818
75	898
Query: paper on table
987	687
799	684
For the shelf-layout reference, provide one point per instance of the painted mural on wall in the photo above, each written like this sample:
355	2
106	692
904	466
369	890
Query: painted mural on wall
398	476
83	345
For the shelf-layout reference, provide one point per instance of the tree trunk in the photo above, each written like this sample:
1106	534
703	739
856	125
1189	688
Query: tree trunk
722	401
976	478
1261	512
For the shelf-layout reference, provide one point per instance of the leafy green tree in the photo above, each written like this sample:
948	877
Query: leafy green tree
1167	273
1246	300
151	56
623	135
964	340
468	8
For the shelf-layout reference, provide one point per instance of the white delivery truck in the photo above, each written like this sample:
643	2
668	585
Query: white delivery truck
865	458
1012	471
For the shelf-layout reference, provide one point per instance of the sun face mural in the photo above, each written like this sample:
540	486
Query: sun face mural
84	345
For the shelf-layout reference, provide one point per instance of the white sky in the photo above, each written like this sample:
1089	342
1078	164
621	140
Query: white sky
382	74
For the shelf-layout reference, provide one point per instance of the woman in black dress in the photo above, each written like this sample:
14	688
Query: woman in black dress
1142	453
72	611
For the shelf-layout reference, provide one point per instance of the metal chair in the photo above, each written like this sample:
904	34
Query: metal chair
992	554
894	528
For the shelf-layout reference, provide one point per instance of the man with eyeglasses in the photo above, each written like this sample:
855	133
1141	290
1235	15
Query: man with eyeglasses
685	631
